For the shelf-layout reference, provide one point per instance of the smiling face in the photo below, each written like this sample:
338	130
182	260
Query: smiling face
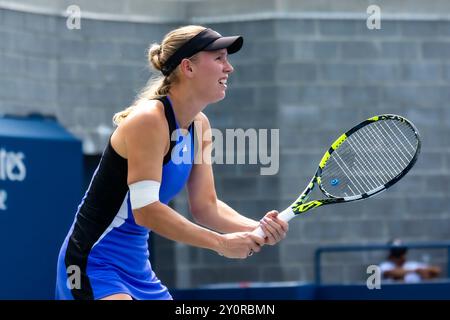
210	74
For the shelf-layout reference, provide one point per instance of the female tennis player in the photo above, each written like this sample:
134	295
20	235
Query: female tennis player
137	177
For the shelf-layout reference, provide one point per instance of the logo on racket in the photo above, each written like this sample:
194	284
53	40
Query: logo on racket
302	207
334	182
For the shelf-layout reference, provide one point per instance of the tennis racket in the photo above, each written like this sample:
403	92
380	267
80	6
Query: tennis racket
364	161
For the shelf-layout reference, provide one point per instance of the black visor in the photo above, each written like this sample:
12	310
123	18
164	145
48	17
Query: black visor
207	40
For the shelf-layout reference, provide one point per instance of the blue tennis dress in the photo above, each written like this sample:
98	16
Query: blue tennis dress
105	251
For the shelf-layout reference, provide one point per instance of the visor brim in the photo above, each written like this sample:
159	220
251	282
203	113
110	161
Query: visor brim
232	44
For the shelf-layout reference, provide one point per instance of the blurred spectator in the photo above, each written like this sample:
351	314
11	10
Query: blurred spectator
398	268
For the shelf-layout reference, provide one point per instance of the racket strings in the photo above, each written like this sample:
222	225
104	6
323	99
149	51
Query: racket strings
385	163
369	158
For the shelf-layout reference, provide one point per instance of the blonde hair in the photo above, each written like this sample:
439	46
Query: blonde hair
157	55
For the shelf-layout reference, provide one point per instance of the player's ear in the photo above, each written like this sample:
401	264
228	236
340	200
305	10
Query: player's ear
186	67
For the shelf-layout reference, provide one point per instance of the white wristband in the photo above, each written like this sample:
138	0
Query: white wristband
143	193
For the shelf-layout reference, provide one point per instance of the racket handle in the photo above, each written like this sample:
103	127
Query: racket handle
286	215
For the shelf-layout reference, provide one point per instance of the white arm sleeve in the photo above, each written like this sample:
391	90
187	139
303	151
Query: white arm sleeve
143	193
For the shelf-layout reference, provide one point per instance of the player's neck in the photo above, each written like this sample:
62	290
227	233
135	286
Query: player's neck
185	106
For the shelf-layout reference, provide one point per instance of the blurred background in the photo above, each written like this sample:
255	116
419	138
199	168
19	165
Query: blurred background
309	68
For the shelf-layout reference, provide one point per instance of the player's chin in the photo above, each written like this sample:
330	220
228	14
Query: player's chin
219	97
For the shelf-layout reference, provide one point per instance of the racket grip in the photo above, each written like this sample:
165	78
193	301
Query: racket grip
286	215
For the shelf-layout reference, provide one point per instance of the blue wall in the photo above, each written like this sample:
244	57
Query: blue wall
41	176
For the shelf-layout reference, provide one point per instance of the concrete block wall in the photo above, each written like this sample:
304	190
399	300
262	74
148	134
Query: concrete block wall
311	77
